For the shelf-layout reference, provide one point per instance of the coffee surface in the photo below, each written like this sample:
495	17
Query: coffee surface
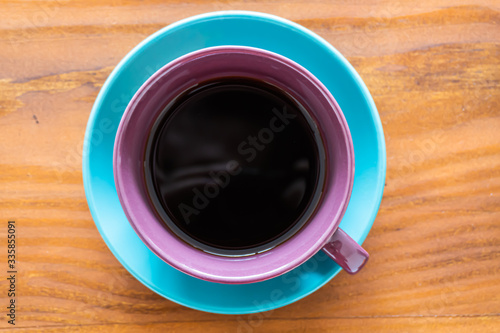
233	164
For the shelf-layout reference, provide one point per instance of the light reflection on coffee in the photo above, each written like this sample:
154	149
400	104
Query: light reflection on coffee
233	164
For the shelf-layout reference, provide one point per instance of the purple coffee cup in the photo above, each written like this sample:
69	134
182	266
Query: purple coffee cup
320	232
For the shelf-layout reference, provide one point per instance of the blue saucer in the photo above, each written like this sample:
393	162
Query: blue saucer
231	28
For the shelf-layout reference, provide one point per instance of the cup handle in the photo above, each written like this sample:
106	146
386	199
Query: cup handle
346	252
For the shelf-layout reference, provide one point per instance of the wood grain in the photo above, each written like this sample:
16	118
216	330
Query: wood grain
433	68
315	325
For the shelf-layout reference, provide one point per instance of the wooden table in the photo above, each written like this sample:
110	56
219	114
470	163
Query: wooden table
433	68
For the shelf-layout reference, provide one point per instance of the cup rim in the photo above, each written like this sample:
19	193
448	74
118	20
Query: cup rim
230	273
306	214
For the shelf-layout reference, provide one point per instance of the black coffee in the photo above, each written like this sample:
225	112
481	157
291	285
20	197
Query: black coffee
233	166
